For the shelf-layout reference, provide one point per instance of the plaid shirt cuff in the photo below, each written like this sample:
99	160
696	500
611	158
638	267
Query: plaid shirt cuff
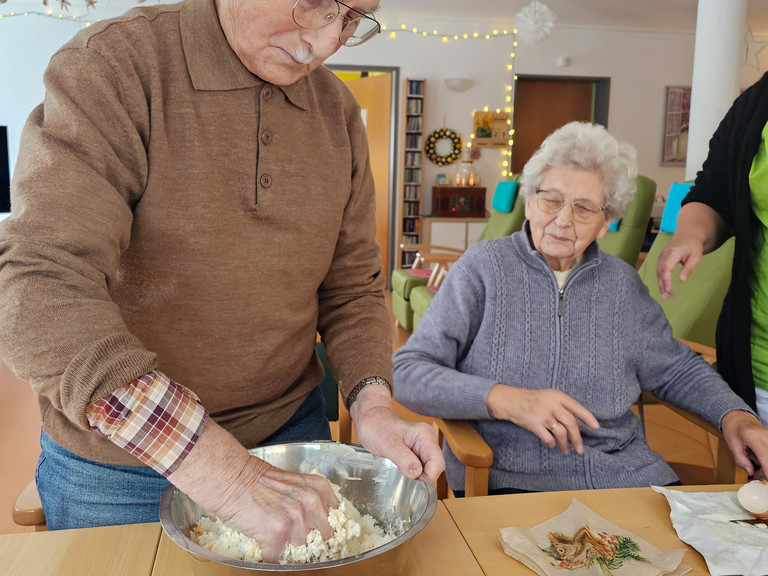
153	418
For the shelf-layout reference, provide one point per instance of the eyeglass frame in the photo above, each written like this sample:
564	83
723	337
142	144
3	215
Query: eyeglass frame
344	25
564	202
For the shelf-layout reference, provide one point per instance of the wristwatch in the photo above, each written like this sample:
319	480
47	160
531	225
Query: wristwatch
367	382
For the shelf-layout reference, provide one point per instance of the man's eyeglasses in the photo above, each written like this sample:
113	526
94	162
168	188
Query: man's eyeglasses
584	211
356	27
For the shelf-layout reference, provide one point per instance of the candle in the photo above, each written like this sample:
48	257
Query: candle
463	182
457	179
471	179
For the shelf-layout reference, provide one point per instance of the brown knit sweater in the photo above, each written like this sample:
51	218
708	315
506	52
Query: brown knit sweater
171	210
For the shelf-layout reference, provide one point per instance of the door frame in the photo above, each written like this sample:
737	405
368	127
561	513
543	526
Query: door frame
393	147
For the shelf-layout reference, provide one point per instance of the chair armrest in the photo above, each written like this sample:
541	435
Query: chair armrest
471	450
707	352
27	509
726	471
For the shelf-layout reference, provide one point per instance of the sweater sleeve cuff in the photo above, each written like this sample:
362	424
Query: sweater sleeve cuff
153	418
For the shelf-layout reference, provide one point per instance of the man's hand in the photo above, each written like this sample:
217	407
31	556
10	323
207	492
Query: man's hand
747	439
412	446
550	414
271	505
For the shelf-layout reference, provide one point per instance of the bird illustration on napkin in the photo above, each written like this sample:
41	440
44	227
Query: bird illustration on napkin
586	548
579	542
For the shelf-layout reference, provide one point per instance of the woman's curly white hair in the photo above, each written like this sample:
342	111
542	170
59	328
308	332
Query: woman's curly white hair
590	148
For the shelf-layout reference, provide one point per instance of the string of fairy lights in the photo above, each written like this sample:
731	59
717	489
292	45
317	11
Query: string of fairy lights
507	106
494	34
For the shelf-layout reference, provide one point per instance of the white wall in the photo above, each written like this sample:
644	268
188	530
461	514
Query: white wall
26	46
640	65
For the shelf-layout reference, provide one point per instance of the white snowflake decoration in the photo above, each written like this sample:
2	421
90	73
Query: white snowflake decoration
534	23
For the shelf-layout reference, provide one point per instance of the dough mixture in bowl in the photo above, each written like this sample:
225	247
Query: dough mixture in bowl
353	534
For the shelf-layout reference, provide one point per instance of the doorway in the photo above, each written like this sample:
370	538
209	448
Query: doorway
544	103
375	89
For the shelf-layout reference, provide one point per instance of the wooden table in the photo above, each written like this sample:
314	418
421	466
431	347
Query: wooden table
638	510
114	550
145	550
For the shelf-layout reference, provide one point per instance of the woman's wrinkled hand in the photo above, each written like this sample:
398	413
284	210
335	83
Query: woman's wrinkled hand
747	439
685	251
550	414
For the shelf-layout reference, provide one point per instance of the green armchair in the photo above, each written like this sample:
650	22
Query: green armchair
627	241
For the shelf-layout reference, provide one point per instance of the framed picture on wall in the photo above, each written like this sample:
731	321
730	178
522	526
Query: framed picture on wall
677	110
491	129
442	180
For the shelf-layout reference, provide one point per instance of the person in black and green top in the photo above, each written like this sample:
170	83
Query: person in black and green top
730	198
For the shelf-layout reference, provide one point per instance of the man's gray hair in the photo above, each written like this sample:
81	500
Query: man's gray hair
590	148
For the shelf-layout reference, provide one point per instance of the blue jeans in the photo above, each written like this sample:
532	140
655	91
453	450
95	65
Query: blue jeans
80	493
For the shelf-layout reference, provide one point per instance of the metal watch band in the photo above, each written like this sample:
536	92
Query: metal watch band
367	382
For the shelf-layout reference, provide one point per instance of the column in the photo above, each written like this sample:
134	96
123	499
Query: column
717	60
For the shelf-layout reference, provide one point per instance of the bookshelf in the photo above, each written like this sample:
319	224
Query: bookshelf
412	190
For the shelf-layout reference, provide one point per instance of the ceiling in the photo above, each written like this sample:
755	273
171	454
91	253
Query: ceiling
665	15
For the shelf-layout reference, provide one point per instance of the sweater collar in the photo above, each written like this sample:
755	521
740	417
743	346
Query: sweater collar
525	244
211	62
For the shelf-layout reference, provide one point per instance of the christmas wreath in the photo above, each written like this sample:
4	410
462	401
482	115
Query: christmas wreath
430	148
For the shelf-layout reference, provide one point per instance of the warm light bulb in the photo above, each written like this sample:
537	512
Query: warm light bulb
510	142
485	108
474	35
498	110
508	88
392	34
434	32
414	30
465	36
509	67
509	98
514	30
445	39
384	27
495	32
505	163
455	36
514	77
403	26
514	43
424	34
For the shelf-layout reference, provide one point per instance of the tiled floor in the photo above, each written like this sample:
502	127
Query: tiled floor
668	433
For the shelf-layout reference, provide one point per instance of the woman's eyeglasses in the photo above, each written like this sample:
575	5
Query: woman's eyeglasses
583	211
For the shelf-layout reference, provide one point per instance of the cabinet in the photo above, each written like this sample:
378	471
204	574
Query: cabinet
458	233
412	191
458	201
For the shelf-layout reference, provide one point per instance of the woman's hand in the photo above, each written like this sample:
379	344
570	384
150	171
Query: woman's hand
747	439
271	505
683	250
550	414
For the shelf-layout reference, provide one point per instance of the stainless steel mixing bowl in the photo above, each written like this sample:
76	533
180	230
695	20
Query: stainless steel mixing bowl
374	485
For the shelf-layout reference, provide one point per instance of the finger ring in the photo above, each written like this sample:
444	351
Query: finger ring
554	427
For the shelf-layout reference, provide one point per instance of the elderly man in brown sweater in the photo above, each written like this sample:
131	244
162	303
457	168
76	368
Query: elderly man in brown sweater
192	203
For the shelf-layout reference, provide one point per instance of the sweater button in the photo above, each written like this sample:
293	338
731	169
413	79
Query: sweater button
267	93
266	180
266	136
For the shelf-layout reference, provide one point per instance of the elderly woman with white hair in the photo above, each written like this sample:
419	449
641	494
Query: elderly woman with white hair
542	340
